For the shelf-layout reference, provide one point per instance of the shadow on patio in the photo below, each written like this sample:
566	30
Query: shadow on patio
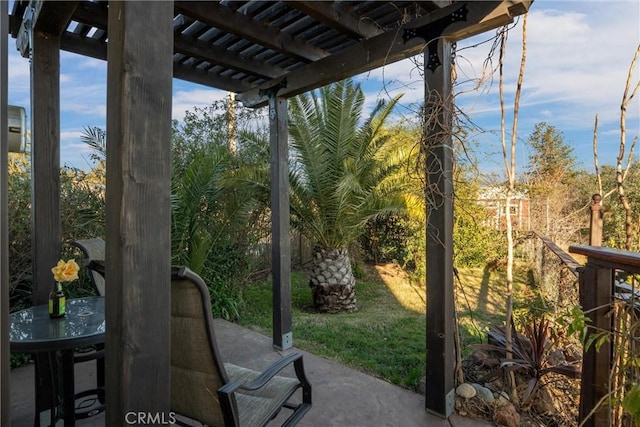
341	396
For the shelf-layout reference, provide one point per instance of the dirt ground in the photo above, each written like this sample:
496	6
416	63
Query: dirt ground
479	300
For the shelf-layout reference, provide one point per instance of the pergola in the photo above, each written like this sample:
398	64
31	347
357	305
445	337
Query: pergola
265	52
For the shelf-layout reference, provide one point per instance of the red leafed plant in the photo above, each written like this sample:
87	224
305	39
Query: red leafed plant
530	355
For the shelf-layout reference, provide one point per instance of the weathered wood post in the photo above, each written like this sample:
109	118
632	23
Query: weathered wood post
595	235
46	229
138	225
596	289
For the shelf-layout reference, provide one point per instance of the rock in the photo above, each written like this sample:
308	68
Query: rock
466	390
572	354
543	402
557	358
507	416
501	399
484	393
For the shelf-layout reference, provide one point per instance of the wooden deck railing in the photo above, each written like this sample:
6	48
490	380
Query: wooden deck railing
611	304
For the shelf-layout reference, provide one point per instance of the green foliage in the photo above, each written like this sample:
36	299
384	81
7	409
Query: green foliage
18	359
341	169
631	402
551	160
385	239
82	215
217	211
383	338
19	213
551	183
575	322
474	243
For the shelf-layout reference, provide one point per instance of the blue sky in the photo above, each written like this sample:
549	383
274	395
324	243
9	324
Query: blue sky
578	57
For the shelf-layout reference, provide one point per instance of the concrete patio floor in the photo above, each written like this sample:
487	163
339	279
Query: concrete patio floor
342	397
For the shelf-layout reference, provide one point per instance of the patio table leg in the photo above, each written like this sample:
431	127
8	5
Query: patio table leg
68	388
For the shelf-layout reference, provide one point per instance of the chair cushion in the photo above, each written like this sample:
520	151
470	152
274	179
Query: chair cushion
254	406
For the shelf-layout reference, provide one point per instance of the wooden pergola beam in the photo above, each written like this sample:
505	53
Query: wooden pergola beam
334	15
384	49
49	17
225	19
53	17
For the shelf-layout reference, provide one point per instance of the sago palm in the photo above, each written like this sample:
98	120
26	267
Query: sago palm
342	171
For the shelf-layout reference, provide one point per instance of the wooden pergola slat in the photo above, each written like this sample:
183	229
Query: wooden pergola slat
384	49
223	18
198	49
336	16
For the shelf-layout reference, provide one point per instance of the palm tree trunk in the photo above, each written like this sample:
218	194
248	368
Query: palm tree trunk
332	282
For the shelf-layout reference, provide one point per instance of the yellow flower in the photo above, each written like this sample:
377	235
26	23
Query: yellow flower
65	271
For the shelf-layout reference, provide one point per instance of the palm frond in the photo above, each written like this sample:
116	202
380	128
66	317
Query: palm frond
340	164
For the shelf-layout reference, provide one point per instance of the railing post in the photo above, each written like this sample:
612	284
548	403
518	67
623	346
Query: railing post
596	287
595	236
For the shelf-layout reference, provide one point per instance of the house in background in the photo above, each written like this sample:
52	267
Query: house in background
494	200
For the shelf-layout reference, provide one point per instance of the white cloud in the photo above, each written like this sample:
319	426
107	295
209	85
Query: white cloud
185	100
577	59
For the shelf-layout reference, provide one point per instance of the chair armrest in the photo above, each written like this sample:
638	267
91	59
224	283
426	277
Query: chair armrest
269	373
97	265
227	392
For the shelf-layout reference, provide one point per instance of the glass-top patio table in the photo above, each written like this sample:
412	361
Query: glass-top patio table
33	331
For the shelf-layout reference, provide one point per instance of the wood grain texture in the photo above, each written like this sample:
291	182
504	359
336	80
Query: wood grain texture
138	244
609	256
45	162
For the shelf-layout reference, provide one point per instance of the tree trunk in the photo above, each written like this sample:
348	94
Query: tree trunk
332	282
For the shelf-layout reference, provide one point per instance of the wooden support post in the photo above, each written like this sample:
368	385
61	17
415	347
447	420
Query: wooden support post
5	401
595	235
596	287
46	231
45	162
280	239
138	244
439	196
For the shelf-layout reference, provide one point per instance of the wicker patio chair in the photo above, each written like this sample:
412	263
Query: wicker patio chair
93	249
214	393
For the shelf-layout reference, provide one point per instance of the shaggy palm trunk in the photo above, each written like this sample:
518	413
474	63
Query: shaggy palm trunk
332	281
